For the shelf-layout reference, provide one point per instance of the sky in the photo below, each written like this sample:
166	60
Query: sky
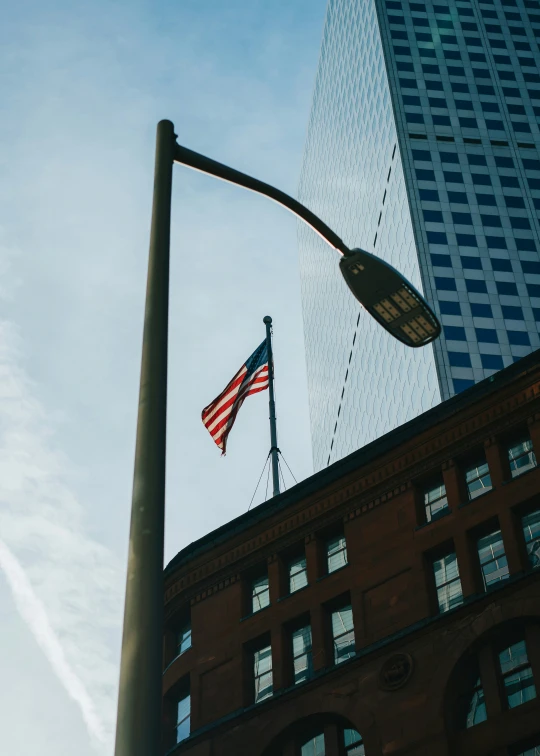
82	87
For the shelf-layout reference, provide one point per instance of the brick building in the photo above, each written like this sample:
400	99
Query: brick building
388	604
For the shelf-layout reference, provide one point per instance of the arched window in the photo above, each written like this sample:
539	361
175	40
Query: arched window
314	746
476	708
350	743
502	660
318	735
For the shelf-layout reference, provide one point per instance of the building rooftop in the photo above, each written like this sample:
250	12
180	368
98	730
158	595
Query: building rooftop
357	459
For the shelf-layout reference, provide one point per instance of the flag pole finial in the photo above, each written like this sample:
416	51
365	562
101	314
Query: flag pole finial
274	451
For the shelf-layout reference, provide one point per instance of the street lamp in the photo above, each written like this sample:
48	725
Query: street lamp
386	295
381	289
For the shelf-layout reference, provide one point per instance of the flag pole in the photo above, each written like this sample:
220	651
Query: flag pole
274	451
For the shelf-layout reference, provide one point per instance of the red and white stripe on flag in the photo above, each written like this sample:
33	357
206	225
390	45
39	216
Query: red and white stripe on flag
219	416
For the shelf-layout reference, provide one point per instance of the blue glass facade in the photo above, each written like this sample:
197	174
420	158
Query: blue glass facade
424	148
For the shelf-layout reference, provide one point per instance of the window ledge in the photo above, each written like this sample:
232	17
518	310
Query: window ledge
521	475
444	513
252	614
294	593
471	501
334	572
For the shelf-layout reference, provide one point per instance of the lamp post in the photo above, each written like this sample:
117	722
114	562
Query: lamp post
392	301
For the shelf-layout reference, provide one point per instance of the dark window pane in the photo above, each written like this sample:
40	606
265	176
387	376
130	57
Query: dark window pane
476	287
436	237
481	310
492	361
506	287
462	218
487	335
477	160
504	266
433	216
458	197
450	308
454	333
459	359
486	199
510	312
441	261
461	384
429	195
518	338
530	266
471	263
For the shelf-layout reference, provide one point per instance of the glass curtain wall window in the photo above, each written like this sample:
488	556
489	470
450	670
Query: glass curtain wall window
297	574
343	634
302	657
262	673
352	741
183	716
314	746
517	675
492	559
184	638
531	531
336	551
521	457
478	479
447	582
477	707
435	501
260	593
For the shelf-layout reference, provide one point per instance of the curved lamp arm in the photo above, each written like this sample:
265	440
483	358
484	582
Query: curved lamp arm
387	295
207	165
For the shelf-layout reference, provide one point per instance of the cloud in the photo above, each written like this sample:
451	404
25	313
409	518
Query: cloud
33	613
69	592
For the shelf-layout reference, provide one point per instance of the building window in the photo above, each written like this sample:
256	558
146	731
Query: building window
343	634
516	675
260	593
314	746
521	457
447	582
492	559
297	574
262	673
336	552
183	715
476	712
184	638
435	501
353	744
531	531
302	657
478	479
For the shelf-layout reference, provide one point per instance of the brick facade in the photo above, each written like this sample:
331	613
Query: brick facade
408	686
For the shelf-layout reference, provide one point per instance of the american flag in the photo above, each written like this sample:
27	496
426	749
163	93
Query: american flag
219	416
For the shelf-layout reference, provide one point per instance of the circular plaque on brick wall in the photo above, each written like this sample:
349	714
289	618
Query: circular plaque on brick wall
396	671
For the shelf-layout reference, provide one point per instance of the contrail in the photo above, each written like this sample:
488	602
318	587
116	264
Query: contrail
34	615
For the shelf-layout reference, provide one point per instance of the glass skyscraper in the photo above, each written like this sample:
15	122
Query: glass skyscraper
423	147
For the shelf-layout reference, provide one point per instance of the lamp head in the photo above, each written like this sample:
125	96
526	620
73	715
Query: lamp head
390	298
